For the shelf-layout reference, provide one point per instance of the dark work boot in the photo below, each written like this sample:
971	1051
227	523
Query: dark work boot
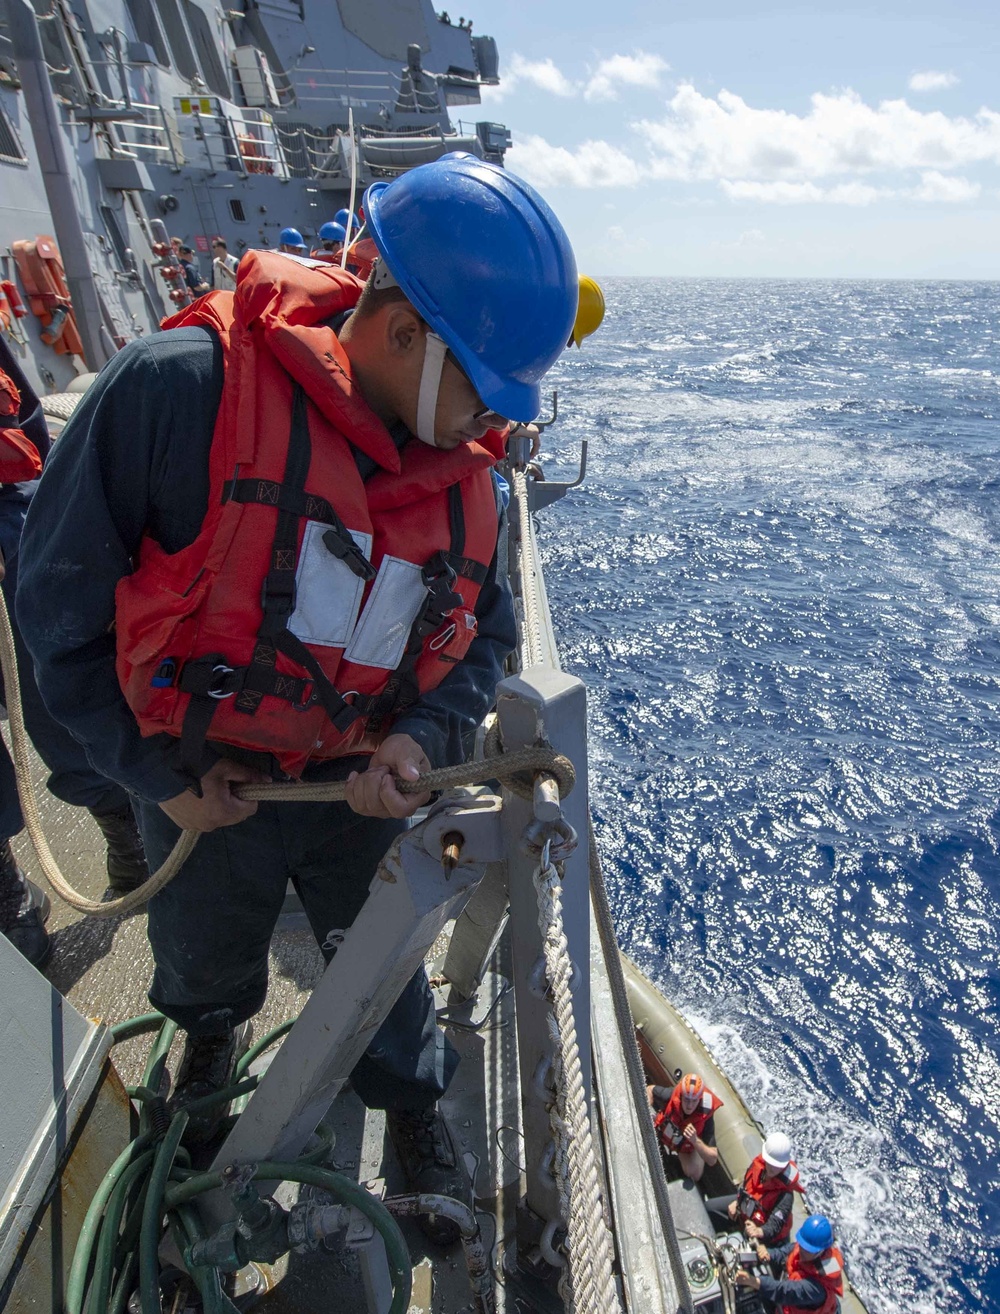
126	857
24	909
207	1064
431	1165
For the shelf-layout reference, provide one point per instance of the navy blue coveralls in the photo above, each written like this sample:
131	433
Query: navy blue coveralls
134	459
71	778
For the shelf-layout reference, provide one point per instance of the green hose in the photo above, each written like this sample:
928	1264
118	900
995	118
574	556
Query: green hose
348	1192
152	1215
100	1284
120	1236
136	1026
76	1283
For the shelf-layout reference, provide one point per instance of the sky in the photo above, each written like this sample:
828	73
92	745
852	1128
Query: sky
746	139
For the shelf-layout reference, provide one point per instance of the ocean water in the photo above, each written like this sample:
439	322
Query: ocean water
781	583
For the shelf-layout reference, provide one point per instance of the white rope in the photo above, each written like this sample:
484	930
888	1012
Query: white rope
587	1284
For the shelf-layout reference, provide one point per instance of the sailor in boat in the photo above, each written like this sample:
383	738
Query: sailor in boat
813	1274
279	560
763	1205
24	444
332	237
685	1122
290	241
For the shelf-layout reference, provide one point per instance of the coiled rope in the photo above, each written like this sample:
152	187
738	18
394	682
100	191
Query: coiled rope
516	770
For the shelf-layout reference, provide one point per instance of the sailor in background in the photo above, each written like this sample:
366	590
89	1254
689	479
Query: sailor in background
290	241
223	266
685	1122
24	444
813	1276
331	242
333	613
192	274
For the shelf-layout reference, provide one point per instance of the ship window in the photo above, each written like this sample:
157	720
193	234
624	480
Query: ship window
173	25
11	150
237	211
208	55
147	29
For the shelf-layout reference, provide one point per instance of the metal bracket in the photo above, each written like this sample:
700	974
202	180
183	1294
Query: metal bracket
543	492
475	817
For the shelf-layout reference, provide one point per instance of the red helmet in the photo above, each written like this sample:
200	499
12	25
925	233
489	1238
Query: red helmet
691	1086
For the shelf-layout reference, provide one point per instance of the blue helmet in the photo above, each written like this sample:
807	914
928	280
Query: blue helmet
333	232
290	237
815	1235
345	216
488	265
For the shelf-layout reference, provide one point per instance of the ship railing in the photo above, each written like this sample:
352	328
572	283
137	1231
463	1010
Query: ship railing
202	132
376	90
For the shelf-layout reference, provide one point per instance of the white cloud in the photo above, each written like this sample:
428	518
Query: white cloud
592	164
706	138
541	73
802	193
841	152
616	233
932	80
935	186
639	70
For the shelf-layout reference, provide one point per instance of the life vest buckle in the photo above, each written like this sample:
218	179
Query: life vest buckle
344	548
277	595
219	691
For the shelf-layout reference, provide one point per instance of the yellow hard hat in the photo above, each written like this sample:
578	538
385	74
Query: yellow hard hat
590	311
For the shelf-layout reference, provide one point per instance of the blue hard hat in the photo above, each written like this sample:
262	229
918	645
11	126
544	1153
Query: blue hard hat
333	232
290	237
488	265
342	216
815	1235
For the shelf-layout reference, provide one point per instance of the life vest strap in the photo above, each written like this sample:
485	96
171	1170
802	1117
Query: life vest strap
304	506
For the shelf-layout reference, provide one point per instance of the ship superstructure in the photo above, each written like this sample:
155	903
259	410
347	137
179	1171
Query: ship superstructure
124	123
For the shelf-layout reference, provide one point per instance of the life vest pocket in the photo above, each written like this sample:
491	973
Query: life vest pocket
327	592
396	598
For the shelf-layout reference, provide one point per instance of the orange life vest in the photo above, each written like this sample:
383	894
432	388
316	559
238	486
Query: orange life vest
758	1194
313	607
20	459
327	257
672	1119
361	255
827	1269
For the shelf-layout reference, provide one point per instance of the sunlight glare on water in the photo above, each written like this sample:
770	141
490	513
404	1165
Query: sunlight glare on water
780	584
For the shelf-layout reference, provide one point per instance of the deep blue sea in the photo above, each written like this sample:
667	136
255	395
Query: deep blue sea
781	583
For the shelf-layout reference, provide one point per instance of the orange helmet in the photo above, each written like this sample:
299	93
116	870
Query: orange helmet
691	1086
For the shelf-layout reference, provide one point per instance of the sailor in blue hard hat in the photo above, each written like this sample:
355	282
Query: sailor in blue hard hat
349	222
490	274
393	402
290	241
332	237
813	1275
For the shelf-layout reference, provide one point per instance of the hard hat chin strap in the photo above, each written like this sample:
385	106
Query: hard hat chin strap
430	376
430	383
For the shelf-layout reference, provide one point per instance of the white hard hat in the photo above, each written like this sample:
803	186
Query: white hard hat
777	1150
